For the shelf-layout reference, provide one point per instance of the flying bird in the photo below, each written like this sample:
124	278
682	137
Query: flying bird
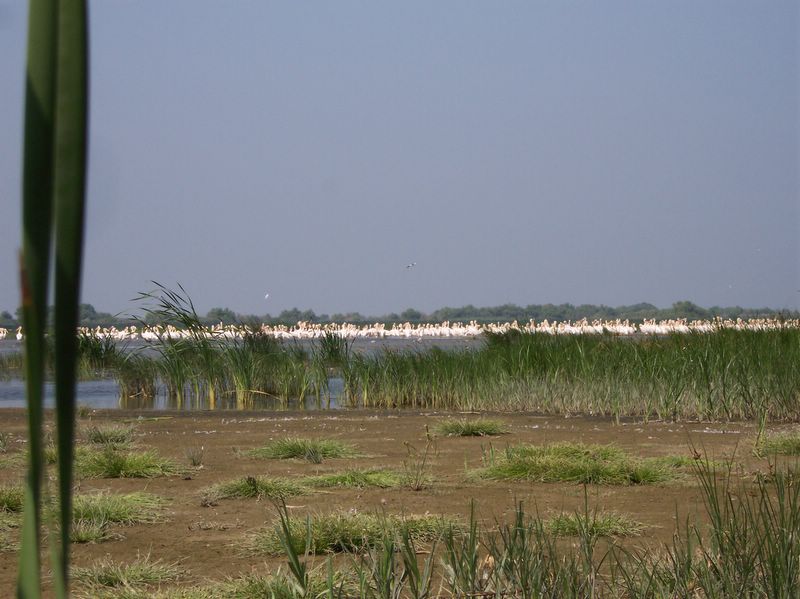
266	296
412	265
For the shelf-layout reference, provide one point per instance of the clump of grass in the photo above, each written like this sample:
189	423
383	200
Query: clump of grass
91	531
257	487
113	463
5	441
117	436
339	532
313	450
195	456
575	462
596	524
141	572
130	508
358	479
11	498
83	411
478	427
779	444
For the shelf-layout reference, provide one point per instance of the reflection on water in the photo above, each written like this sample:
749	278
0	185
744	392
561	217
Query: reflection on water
104	394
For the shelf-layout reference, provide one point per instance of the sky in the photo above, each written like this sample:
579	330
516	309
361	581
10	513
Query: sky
518	152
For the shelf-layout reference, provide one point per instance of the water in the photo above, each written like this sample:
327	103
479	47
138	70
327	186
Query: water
104	393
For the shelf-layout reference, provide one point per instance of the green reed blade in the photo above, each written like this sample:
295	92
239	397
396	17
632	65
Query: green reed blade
70	184
37	195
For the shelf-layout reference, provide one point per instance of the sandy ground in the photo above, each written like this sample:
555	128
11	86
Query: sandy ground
207	540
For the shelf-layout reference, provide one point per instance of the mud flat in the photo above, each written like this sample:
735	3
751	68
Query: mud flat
205	535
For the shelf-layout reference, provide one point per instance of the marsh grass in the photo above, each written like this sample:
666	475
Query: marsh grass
313	450
596	524
114	463
478	427
338	532
115	436
5	441
575	462
779	444
256	487
358	479
143	571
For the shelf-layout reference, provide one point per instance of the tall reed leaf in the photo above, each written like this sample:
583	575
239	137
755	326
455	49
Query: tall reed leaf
37	193
70	184
53	180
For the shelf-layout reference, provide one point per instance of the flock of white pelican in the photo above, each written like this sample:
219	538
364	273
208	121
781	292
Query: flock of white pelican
444	330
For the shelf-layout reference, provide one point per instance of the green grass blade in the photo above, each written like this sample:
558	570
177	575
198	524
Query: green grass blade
37	193
70	184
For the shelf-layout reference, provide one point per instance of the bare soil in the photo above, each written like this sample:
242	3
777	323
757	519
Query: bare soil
207	541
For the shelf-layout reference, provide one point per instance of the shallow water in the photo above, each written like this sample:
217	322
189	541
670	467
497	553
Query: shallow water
104	394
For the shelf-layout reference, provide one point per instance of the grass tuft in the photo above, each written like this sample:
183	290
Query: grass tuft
11	498
338	532
597	524
358	479
91	531
258	487
141	572
131	508
575	462
113	463
780	444
478	427
313	450
116	436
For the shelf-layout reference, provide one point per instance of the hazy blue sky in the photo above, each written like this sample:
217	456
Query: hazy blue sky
525	152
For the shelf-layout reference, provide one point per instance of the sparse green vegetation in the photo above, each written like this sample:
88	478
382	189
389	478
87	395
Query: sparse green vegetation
114	463
780	444
11	498
141	572
116	436
345	532
574	462
257	487
130	508
595	524
358	479
478	427
91	531
306	449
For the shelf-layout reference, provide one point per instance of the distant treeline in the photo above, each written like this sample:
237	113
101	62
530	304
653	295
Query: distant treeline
90	317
